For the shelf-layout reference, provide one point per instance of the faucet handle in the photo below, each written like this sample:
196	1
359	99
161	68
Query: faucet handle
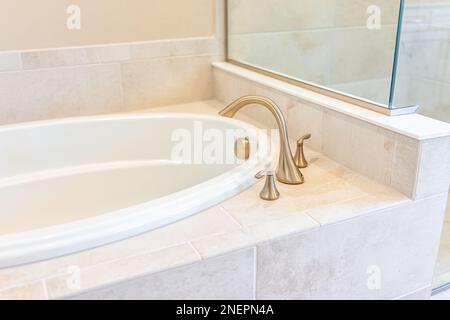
270	191
299	158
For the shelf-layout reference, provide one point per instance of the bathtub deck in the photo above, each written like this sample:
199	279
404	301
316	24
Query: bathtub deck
331	194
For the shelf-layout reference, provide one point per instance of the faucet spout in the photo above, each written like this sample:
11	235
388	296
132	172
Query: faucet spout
286	172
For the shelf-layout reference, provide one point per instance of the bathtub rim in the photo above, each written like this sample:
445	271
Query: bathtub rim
85	234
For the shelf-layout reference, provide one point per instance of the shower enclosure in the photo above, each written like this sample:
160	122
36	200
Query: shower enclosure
392	56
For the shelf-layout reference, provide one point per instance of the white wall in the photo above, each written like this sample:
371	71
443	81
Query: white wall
26	24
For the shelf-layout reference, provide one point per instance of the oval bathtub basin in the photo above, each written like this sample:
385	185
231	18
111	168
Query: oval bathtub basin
74	184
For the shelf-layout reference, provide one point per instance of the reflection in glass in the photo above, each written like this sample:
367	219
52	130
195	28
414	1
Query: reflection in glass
423	73
344	45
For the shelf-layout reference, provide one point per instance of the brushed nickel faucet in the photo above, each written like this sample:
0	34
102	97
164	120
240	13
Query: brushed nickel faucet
287	172
270	191
299	158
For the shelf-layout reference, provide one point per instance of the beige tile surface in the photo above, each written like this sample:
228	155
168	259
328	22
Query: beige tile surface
303	119
119	270
64	92
228	277
370	246
442	271
38	59
162	82
365	148
10	61
405	164
434	167
30	291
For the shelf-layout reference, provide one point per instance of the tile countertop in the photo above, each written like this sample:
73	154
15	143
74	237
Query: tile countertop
331	194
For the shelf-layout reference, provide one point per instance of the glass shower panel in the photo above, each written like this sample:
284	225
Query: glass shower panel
346	46
423	72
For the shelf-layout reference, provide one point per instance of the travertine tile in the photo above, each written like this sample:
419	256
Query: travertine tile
31	291
65	92
303	119
226	86
119	270
63	57
362	147
195	46
228	277
248	208
150	50
383	247
248	236
405	165
10	61
353	208
434	167
166	81
52	58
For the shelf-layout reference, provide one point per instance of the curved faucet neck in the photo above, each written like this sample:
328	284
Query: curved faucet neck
287	172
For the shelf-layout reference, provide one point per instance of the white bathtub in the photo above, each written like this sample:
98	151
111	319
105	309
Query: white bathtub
74	184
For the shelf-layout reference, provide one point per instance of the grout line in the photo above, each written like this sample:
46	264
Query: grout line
230	216
394	163
195	249
418	169
122	93
21	62
413	292
312	218
46	294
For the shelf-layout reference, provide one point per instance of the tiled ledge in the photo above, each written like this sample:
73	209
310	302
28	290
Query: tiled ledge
414	126
331	195
410	153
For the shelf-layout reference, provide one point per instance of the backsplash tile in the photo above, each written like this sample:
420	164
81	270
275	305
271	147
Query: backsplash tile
93	80
161	82
38	59
229	277
361	146
10	61
303	119
63	92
